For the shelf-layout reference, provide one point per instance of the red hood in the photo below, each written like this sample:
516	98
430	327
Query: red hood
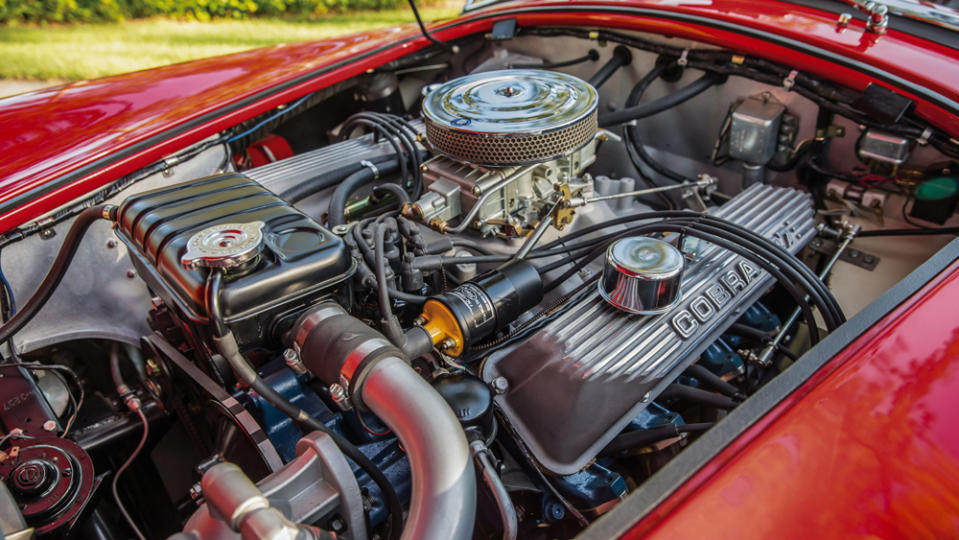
59	144
50	133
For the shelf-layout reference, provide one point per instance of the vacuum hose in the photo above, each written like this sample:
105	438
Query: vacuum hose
60	265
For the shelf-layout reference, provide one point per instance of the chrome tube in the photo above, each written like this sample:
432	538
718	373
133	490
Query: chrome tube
443	504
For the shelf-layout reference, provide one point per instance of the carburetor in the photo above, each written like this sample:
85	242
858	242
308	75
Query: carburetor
510	143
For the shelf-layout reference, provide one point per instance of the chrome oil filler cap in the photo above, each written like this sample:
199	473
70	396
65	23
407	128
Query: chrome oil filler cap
641	275
510	117
226	245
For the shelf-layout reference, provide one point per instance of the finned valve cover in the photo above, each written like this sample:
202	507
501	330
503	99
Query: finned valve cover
510	117
576	383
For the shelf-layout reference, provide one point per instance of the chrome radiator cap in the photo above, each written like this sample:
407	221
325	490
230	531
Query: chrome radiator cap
224	246
641	275
510	117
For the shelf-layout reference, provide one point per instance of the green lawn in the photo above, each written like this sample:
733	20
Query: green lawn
96	50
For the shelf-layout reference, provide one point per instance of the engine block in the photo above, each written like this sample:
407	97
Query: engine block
576	383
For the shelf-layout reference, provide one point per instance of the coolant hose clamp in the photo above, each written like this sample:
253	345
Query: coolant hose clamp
352	365
372	167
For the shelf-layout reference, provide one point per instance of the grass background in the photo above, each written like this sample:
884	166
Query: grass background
86	51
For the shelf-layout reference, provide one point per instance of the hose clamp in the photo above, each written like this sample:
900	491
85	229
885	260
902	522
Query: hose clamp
109	212
370	166
790	81
352	363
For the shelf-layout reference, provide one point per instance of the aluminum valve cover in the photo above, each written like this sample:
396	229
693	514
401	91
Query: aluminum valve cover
510	117
575	384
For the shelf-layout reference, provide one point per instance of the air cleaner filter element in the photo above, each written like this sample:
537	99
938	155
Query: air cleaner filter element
510	117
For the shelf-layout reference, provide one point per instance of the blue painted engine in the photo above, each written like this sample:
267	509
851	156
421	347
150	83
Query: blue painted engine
370	436
598	486
594	489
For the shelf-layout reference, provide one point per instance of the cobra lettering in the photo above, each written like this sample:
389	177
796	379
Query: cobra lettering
705	306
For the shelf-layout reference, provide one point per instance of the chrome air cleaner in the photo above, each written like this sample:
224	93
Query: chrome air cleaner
510	117
641	275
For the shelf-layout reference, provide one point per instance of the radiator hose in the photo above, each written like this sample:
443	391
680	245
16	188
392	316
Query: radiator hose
339	348
226	345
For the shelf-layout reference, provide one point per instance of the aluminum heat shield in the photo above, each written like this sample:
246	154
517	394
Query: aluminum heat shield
578	381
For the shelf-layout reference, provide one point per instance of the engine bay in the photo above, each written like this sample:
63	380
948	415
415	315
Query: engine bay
481	291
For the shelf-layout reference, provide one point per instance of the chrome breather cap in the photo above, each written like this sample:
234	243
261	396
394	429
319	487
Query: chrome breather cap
510	117
642	275
226	245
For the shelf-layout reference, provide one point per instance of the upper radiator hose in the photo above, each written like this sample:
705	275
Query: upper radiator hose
338	348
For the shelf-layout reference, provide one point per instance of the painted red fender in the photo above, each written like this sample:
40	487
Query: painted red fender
58	144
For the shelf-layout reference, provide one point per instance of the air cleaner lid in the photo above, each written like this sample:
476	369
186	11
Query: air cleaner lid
510	116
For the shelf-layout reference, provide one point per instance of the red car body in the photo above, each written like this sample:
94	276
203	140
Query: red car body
857	439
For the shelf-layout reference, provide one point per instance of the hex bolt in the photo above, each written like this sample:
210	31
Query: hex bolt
500	385
49	425
447	343
555	511
293	361
340	397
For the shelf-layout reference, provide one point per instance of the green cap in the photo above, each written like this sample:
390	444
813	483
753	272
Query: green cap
938	188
